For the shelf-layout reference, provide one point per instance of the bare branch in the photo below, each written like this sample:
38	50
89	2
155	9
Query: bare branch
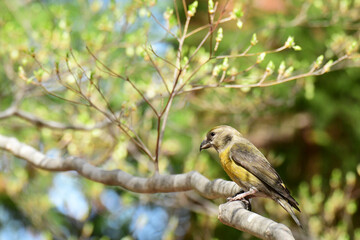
231	213
177	17
192	74
163	59
110	71
143	96
157	70
185	8
211	21
58	125
31	118
235	215
8	112
163	116
207	26
127	79
162	119
261	82
59	97
97	87
211	30
12	111
246	54
156	184
163	27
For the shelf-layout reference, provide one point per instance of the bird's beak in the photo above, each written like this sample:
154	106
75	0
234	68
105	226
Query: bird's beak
205	144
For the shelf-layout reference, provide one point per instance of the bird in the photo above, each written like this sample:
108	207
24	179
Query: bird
249	169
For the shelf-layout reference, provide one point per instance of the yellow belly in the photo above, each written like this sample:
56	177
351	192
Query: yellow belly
237	173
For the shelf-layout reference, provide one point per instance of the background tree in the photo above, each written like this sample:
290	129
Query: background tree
123	93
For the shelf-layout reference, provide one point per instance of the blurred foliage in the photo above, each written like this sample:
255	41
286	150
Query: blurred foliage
308	128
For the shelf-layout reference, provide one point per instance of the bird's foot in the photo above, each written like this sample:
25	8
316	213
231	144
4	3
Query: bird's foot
244	197
243	194
245	200
229	199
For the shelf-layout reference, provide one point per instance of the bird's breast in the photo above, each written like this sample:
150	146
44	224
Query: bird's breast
237	173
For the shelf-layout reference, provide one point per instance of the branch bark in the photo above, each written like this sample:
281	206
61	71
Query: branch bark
235	215
159	183
232	213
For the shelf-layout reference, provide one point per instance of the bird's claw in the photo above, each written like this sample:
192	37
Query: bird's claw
246	203
245	200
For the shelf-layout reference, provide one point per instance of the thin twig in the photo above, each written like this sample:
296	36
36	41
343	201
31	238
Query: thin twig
177	17
207	26
266	84
192	74
245	70
94	84
207	35
165	112
38	62
185	8
264	76
74	77
143	96
163	59
211	20
104	65
58	125
245	54
59	97
222	77
158	71
163	27
126	79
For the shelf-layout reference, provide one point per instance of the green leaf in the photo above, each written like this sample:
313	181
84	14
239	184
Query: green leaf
297	48
327	66
239	24
216	70
270	68
168	13
282	67
211	7
238	12
192	8
290	42
261	57
219	35
225	64
289	71
254	40
319	61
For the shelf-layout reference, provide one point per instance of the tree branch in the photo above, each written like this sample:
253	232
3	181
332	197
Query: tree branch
231	213
50	124
235	215
156	184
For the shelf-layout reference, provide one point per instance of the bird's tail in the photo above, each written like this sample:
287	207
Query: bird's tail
288	208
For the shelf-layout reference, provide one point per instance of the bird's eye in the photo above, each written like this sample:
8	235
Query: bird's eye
212	134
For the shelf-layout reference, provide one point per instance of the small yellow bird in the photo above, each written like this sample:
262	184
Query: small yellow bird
248	167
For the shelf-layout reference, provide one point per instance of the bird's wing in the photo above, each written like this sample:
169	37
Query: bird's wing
249	157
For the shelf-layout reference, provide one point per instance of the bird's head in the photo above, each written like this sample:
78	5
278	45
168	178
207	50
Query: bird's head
219	138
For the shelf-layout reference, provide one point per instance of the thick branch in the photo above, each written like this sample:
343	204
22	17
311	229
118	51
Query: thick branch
231	213
156	184
235	215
